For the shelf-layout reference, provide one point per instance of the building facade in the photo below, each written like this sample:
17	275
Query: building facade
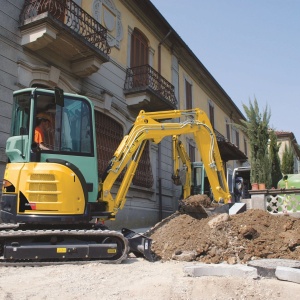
125	57
287	139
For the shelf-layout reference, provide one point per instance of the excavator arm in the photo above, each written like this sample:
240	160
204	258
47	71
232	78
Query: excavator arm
153	127
181	176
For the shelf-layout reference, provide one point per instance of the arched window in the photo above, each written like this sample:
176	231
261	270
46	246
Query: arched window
109	134
143	175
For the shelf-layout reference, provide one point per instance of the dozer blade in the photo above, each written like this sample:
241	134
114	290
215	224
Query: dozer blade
139	244
200	206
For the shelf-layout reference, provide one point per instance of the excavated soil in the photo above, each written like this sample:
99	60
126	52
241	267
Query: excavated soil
239	238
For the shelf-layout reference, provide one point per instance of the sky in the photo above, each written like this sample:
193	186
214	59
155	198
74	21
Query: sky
251	48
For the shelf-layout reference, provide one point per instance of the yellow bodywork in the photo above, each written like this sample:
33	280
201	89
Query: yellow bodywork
54	189
50	188
179	152
152	126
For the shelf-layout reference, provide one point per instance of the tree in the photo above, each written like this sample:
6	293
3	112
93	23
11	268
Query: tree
265	173
256	127
287	165
274	146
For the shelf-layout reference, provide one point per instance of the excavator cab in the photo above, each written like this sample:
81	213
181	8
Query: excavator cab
57	182
198	174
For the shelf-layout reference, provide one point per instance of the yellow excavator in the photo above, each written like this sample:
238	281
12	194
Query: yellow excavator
190	175
53	194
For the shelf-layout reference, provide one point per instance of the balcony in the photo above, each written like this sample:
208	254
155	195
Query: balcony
60	29
228	151
146	89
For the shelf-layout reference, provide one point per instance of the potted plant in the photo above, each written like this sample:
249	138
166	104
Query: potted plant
256	127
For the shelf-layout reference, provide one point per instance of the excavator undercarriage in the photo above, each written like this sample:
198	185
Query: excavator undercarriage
23	245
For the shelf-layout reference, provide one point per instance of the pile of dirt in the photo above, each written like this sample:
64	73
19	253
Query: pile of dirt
196	201
196	206
233	239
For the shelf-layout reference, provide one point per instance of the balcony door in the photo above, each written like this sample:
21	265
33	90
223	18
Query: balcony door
139	58
139	49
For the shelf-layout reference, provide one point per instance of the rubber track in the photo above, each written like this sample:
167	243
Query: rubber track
24	233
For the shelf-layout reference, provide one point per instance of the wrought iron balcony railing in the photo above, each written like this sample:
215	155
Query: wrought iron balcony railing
71	15
220	137
145	77
228	150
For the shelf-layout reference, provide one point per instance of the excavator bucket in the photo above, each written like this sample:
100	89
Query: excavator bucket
200	206
139	244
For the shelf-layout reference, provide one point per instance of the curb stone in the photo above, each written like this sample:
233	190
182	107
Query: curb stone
288	274
281	269
267	267
221	270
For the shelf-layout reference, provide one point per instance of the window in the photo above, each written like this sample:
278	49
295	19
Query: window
68	128
175	75
211	114
235	137
20	121
227	130
192	154
76	129
139	49
139	56
143	175
188	95
109	135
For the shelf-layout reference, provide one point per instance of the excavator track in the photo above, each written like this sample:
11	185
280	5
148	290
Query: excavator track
55	246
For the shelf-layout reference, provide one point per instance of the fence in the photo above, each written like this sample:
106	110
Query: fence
285	201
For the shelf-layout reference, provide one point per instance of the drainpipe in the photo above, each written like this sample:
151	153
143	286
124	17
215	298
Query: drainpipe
160	214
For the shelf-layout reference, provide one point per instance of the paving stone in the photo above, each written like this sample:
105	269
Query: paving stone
221	270
237	208
288	274
267	267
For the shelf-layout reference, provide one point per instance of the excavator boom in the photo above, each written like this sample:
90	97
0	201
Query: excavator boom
148	127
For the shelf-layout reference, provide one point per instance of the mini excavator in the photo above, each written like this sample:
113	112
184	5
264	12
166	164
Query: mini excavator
52	196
